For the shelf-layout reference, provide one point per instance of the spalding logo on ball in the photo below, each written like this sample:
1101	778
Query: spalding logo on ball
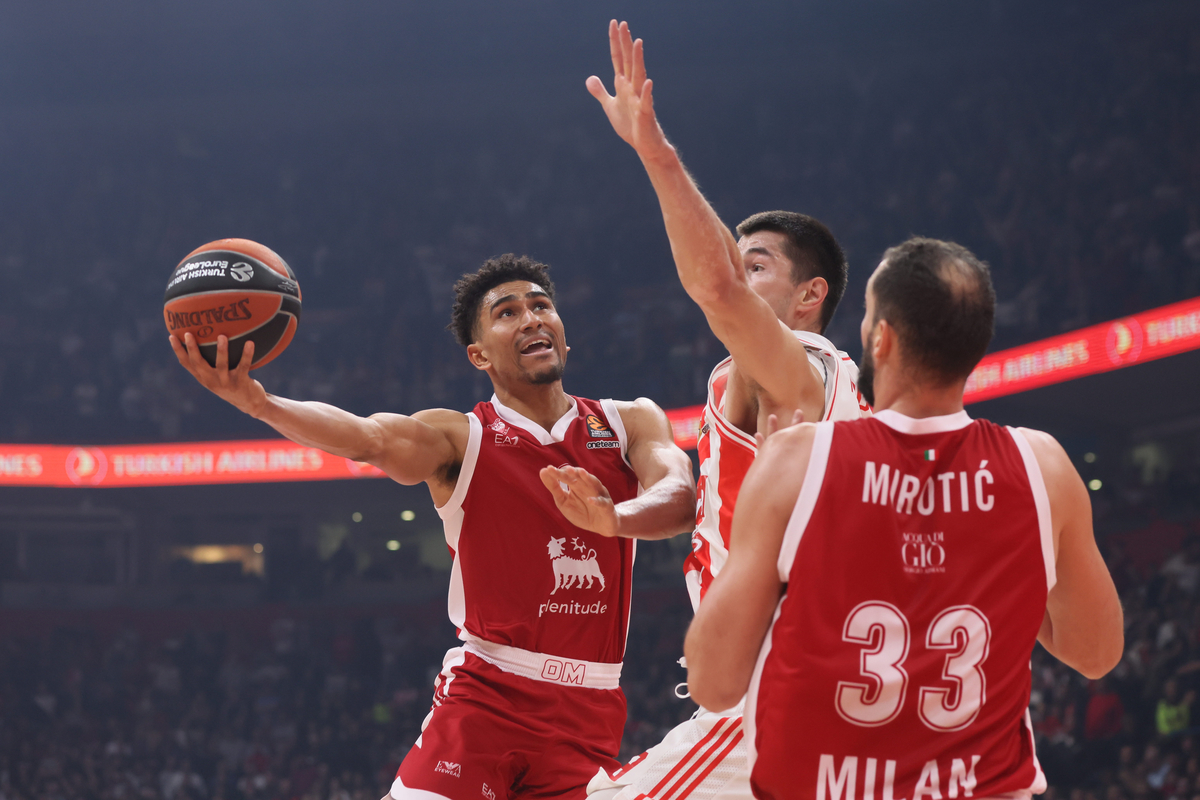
238	288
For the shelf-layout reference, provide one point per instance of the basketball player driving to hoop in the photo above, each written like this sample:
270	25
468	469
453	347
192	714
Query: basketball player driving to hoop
768	296
529	705
889	576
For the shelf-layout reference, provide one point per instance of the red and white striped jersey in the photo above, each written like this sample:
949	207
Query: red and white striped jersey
523	576
726	454
917	562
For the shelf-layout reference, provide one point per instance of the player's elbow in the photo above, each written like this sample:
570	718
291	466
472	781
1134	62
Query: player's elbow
710	691
714	289
1104	658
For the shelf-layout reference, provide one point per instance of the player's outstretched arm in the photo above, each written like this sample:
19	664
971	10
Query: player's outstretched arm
409	449
1084	626
710	266
666	507
725	638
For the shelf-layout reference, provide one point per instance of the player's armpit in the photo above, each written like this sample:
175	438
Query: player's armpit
1084	627
727	633
667	504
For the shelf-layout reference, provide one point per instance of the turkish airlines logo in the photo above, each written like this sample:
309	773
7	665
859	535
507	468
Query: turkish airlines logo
1124	341
86	466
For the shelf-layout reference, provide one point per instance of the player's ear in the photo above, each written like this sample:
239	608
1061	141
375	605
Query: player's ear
812	293
477	357
885	340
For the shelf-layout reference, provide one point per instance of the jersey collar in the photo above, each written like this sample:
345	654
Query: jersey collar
555	434
902	424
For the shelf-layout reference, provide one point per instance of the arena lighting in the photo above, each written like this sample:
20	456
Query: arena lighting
1142	337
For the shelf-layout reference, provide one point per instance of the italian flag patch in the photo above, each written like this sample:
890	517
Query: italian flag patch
930	455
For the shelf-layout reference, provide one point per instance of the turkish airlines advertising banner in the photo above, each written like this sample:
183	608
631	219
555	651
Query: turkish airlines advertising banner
1101	348
1112	345
255	461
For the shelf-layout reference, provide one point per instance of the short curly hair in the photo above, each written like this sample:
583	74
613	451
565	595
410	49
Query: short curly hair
471	287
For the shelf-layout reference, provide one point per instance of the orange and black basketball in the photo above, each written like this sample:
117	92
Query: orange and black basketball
238	288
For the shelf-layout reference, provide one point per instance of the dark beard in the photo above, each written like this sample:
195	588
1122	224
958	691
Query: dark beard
551	375
866	372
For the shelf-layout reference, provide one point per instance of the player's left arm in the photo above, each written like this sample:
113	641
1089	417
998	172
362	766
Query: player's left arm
725	638
667	505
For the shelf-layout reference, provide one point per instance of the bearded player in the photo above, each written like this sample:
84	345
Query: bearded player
529	705
768	297
889	576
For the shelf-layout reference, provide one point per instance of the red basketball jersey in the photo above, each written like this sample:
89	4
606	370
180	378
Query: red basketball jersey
917	562
523	576
726	453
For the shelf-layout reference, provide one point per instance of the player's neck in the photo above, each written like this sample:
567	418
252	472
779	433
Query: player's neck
918	401
541	403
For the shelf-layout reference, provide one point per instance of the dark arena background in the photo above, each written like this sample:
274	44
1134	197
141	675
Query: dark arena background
193	608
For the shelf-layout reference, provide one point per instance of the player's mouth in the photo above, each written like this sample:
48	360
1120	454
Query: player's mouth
536	346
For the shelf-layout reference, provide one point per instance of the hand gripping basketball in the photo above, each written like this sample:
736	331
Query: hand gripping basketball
235	386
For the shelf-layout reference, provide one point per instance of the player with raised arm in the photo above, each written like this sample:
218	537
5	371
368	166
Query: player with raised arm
889	576
768	296
529	705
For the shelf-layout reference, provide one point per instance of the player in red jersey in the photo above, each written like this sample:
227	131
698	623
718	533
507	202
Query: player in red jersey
890	576
529	706
768	297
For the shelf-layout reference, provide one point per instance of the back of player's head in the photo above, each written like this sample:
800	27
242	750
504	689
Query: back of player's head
812	249
470	289
939	298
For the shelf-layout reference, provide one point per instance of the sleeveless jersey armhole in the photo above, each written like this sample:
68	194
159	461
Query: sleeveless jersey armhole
810	490
618	425
1041	500
470	457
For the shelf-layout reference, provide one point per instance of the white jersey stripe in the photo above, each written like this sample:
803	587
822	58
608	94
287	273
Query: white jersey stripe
1041	500
814	476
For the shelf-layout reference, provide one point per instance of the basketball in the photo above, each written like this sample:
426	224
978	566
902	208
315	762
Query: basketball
238	288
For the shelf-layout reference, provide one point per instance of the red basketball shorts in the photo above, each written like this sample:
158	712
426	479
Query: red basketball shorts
493	735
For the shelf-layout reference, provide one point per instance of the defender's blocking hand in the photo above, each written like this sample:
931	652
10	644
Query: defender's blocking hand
630	109
235	386
582	499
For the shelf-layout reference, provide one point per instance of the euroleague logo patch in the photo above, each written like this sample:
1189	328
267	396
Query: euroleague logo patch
241	271
597	429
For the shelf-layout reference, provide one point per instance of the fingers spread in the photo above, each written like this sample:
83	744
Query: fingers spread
638	73
243	368
222	354
614	48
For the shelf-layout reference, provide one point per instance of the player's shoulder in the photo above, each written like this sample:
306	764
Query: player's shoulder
642	415
639	405
444	419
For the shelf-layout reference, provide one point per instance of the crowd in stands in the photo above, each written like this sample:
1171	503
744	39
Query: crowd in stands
312	702
274	703
1066	159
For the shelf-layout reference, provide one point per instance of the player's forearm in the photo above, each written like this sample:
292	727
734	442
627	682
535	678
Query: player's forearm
719	662
1091	641
322	426
706	255
666	509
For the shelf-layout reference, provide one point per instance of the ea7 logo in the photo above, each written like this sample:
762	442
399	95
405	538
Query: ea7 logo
449	768
488	793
